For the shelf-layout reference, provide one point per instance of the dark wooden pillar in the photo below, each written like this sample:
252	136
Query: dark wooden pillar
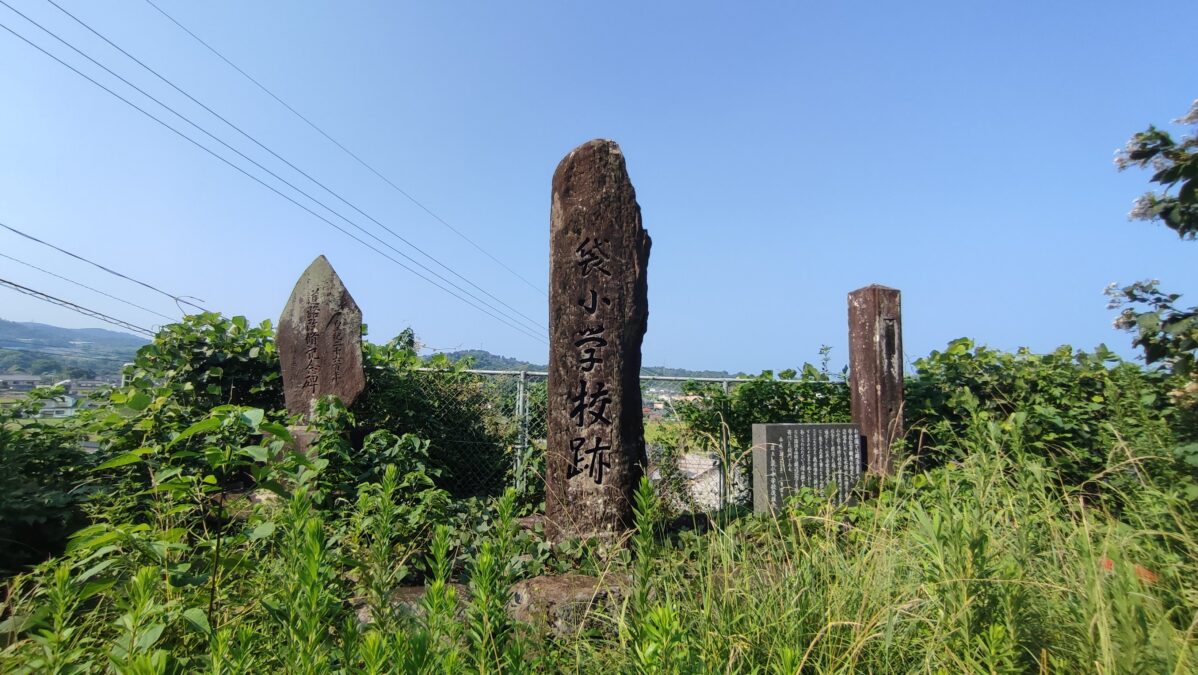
876	371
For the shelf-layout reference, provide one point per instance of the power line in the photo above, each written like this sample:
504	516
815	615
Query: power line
77	308
532	322
179	300
255	178
94	290
346	150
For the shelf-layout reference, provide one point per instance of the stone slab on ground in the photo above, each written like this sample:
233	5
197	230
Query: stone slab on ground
565	604
409	600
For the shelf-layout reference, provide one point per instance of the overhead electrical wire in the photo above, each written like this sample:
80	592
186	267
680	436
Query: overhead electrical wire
93	290
77	308
253	177
346	150
276	155
510	324
179	300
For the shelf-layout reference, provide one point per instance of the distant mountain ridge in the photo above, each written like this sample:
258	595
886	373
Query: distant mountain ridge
484	360
40	348
105	350
19	335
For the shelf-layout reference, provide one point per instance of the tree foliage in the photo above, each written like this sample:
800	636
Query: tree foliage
1074	407
1176	170
1167	333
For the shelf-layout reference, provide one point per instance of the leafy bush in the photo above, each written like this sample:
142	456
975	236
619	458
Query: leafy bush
718	414
454	410
1075	405
208	360
992	564
44	482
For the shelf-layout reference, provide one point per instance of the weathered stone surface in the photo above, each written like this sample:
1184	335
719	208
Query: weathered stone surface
598	312
320	340
568	603
788	457
876	370
409	601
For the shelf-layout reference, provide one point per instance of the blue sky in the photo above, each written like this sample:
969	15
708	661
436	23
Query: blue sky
783	154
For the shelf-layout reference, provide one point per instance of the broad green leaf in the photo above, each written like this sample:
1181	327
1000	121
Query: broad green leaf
264	529
277	430
95	569
147	638
197	619
138	402
15	623
203	426
252	417
256	452
127	458
95	588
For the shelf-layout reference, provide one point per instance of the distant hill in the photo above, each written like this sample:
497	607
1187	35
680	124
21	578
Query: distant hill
42	349
662	371
484	360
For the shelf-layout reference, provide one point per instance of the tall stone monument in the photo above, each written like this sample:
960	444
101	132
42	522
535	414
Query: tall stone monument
320	341
598	312
876	370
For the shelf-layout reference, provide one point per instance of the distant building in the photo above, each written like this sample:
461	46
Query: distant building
61	406
84	387
19	382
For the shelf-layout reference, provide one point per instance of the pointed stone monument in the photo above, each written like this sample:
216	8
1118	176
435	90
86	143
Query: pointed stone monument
320	341
598	312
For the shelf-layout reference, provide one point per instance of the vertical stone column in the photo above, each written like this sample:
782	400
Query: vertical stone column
876	370
598	312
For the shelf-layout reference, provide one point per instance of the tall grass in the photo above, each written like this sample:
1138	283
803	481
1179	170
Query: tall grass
988	564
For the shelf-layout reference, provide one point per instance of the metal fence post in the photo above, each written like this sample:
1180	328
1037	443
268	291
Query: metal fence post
722	459
522	416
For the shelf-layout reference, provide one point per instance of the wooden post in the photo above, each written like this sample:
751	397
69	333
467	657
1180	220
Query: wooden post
876	371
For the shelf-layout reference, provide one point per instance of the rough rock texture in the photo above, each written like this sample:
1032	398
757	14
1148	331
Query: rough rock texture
409	600
876	370
566	604
598	312
320	340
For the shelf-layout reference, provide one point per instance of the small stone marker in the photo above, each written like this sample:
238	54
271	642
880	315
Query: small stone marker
876	370
598	312
787	457
320	341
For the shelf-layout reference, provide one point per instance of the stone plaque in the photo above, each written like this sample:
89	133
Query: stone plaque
787	457
320	341
598	311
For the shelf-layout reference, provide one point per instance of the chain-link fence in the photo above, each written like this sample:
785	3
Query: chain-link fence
492	427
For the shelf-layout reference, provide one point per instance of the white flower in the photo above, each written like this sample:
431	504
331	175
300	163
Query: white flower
1190	117
1142	209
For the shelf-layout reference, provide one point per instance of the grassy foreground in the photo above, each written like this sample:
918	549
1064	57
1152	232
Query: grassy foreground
988	564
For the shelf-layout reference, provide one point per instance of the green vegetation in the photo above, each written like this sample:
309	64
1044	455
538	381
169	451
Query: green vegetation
989	562
1042	519
1168	334
1043	523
